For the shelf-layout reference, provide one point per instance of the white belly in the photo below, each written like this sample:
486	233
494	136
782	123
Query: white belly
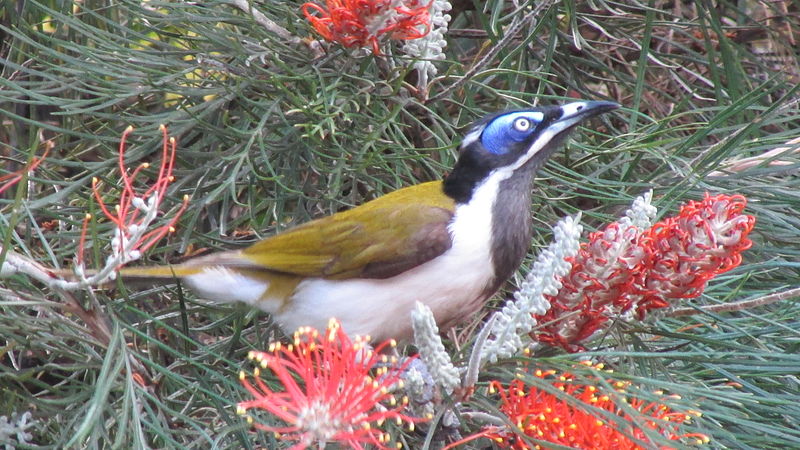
450	285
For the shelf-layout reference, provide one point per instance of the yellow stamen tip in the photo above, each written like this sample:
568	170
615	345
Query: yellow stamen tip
129	129
162	127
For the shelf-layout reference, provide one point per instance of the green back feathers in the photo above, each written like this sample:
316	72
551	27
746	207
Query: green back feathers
378	239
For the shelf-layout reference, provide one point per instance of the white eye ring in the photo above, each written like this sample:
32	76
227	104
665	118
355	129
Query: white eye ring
522	124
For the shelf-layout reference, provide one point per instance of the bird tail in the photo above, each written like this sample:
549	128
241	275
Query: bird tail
145	274
166	274
163	274
169	273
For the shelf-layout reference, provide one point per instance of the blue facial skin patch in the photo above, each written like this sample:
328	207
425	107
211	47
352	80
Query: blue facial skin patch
504	131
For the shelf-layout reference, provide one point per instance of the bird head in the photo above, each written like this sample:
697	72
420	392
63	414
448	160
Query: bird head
515	141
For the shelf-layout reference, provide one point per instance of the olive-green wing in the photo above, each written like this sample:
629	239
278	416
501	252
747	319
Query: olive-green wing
379	239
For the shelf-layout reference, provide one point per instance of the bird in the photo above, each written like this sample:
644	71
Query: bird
450	244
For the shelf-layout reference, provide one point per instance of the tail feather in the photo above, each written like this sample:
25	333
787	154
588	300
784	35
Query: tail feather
166	274
159	273
154	274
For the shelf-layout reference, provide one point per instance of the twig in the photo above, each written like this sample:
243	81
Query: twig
511	33
263	20
17	72
791	147
483	417
738	306
94	319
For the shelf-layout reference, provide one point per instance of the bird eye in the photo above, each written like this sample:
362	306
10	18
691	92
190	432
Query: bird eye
522	124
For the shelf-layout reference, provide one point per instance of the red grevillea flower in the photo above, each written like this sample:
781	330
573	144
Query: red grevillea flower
705	239
360	23
332	388
623	269
134	211
572	422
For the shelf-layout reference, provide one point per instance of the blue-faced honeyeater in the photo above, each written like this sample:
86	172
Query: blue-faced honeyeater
449	244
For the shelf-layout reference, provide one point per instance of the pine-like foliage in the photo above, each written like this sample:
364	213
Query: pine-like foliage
275	127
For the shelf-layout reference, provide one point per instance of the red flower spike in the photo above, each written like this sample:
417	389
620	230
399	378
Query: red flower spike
624	269
543	416
134	212
361	23
603	274
706	238
328	390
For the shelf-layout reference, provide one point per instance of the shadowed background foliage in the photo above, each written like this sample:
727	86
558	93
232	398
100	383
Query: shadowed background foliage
273	132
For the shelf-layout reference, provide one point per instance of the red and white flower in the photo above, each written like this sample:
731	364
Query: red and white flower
332	389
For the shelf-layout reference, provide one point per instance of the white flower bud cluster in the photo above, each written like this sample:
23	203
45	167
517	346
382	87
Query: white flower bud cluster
430	47
431	349
516	318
